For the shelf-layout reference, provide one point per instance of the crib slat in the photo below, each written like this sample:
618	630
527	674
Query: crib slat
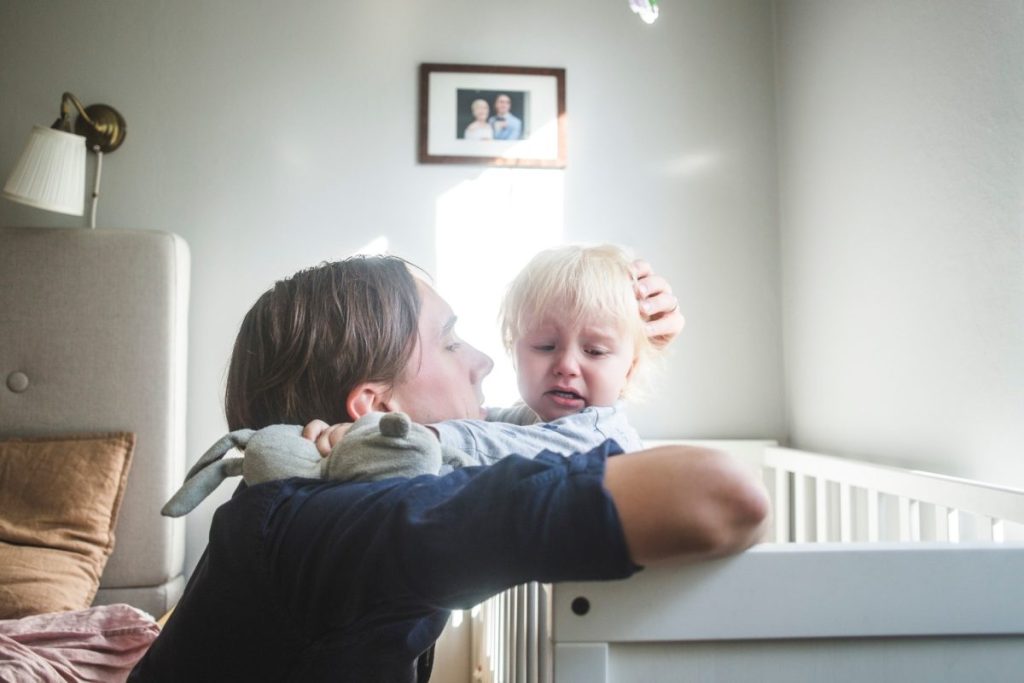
519	675
915	520
782	504
800	508
998	531
514	626
498	656
506	640
903	511
532	634
546	663
941	522
485	663
521	631
953	525
497	663
493	655
873	528
821	510
498	659
845	513
490	617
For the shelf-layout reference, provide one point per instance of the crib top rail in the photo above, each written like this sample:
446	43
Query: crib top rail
806	591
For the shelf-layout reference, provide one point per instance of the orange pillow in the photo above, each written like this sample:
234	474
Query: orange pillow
59	499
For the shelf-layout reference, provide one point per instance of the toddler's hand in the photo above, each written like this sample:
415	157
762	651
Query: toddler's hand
659	307
325	435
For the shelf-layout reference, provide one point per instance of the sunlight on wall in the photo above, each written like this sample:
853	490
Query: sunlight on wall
374	247
487	229
694	163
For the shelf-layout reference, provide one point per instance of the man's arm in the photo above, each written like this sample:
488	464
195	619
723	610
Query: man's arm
672	501
684	501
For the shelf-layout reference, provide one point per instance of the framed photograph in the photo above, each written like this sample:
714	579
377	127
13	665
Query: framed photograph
492	115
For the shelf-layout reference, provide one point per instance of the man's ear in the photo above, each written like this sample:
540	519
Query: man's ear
366	398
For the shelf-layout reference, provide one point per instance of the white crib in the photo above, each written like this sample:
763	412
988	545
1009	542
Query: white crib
872	574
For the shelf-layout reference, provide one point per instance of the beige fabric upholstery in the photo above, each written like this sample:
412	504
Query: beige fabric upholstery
93	333
61	499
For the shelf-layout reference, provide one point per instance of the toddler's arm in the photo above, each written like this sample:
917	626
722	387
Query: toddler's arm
519	414
488	441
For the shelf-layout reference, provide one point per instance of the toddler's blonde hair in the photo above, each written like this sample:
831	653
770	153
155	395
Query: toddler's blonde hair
574	282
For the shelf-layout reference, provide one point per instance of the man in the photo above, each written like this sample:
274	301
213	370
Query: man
310	580
507	126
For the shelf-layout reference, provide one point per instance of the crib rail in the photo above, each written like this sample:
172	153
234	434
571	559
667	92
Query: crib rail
819	498
865	515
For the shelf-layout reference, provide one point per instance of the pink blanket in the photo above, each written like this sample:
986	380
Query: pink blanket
96	644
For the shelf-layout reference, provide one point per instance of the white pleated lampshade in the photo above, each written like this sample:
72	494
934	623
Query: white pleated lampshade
50	174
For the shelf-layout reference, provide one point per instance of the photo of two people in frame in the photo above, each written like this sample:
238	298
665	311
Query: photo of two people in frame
490	115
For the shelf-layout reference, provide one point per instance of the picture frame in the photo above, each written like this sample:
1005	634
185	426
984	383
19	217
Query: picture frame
492	115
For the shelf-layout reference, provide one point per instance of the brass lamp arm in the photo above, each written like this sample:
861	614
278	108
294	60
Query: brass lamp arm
102	126
64	122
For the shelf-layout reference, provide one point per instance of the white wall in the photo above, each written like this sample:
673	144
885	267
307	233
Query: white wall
901	200
274	135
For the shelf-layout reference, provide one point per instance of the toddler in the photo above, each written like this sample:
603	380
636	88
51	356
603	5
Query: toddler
571	325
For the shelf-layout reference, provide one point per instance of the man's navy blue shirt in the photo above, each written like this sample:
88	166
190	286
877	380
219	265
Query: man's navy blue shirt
307	580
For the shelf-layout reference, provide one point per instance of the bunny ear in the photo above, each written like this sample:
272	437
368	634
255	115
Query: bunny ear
197	487
207	474
236	439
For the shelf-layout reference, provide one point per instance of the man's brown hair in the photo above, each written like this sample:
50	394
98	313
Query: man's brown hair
315	336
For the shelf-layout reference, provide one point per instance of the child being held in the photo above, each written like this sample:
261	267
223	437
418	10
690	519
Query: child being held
572	327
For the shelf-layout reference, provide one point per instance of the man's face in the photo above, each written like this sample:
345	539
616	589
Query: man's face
562	368
444	377
502	105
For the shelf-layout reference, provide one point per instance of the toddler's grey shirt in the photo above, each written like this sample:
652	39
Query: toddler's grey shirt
487	441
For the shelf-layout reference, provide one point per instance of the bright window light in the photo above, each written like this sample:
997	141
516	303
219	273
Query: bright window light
487	229
374	247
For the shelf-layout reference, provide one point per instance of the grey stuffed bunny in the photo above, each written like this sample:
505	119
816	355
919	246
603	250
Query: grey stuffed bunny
377	446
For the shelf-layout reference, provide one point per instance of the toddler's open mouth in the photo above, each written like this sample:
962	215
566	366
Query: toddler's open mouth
566	399
565	394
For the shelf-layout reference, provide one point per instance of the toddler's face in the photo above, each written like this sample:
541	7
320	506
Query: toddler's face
563	368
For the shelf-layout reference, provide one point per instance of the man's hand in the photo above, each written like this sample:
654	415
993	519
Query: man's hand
325	435
658	306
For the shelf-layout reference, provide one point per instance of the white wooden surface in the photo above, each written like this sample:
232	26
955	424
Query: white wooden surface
826	607
843	613
581	662
807	591
862	660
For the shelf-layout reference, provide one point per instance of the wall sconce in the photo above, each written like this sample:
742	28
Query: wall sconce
50	174
647	9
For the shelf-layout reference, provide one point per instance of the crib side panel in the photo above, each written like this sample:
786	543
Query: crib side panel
806	591
819	498
995	659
